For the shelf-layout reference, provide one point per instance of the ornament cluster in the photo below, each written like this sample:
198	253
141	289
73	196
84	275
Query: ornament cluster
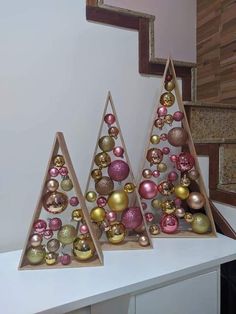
169	186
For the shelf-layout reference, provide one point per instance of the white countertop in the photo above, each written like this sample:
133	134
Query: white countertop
63	290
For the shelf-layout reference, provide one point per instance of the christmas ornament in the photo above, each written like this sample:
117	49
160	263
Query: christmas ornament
149	217
195	200
154	156
91	196
181	192
185	162
179	212
35	239
167	99
118	200
163	137
140	229
147	173
155	139
178	116
148	189
162	167
188	217
168	78
154	229
111	216
185	181
168	206
177	136
74	201
165	150
53	245
55	224
77	215
55	202
83	248
97	230
65	259
52	185
59	161
166	188
109	118
143	240
168	119
193	174
51	258
156	173
101	201
201	223
129	187
66	184
53	172
118	151
47	234
35	255
63	171
83	229
172	176
96	174
106	143
113	131
156	203
102	160
67	234
39	226
116	233
98	214
118	170
159	123
131	217
104	186
161	111
169	86
169	224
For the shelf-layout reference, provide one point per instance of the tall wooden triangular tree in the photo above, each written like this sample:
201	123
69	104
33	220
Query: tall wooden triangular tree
61	233
111	194
170	182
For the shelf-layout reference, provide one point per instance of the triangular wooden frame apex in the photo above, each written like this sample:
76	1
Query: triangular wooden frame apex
59	143
128	245
170	67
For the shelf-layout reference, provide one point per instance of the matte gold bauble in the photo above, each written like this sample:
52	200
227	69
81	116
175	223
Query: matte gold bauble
35	255
52	185
53	245
51	258
201	223
97	231
96	174
188	217
196	200
143	240
168	206
83	248
66	184
55	202
116	233
104	186
147	173
35	240
67	234
156	203
169	86
193	174
167	99
185	181
155	139
106	143
182	192
154	229
58	161
91	196
118	200
129	187
177	136
98	214
102	160
180	212
77	214
162	167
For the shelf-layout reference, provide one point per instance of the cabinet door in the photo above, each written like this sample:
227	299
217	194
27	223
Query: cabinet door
195	295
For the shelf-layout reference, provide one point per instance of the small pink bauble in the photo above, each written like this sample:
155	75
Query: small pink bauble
53	172
74	201
148	189
39	226
165	150
83	229
118	170
172	176
55	224
101	201
169	223
111	216
63	171
144	205
155	173
177	202
65	259
109	118
48	233
178	116
173	158
163	137
118	151
161	111
132	217
149	217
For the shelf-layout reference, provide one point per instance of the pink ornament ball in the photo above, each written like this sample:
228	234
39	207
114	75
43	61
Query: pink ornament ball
132	217
178	202
53	172
185	162
47	234
162	111
118	151
55	224
109	118
101	201
172	176
163	137
148	189
63	171
74	201
169	224
173	158
65	259
178	116
165	150
39	226
83	229
118	170
111	216
156	173
149	217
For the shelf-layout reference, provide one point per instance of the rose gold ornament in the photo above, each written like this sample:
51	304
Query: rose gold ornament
154	229
166	188
159	123
193	174
113	131
53	172
168	119
96	174
109	118
178	116
161	111
65	259
154	156
156	173
106	143
196	200
39	226
55	202
52	185
167	99
74	201
147	173
177	136
188	217
148	189
118	170
155	139
172	176
35	240
58	161
111	216
102	160
104	186
83	229
165	150
116	233
101	201
143	240
118	151
63	171
180	212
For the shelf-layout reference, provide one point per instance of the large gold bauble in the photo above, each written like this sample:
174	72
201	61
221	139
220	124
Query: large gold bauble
143	240
167	99
196	200
129	187
52	185
182	192
106	143
156	203
154	229
51	258
116	233
193	174
55	202
77	214
67	234
96	174
91	196
35	255
201	223
98	214
118	200
102	160
168	206
83	248
155	139
104	186
66	184
58	161
162	167
169	86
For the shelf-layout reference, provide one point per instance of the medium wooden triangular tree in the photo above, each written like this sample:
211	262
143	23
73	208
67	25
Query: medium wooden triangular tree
111	194
61	234
170	183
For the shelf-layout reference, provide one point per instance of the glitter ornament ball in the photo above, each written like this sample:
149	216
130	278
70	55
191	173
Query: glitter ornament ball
55	202
35	255
177	136
67	234
53	245
104	186
148	189
178	116
185	162
201	223
169	224
166	188
118	170
106	143
131	217
66	184
118	200
154	156
167	99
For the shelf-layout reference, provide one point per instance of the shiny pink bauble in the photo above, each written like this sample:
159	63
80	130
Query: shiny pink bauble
165	150
47	234
169	223
65	259
163	137
156	173
118	151
148	189
149	217
173	158
118	170
63	171
161	111
144	205
185	162
178	202
101	201
111	216
53	172
83	229
39	226
132	217
109	118
172	176
178	116
74	201
55	224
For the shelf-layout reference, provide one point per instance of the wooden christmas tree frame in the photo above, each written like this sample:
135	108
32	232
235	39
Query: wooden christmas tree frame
158	205
136	238
40	212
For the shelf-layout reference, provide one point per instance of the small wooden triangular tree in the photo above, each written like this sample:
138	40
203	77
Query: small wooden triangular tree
111	194
170	182
61	234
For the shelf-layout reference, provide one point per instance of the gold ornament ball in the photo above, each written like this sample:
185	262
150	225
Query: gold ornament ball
193	174
52	185
98	214
154	229
201	223
156	203
143	240
113	131
168	119
147	173
77	214
116	233
91	196
162	167
59	161
169	86
106	143
35	255
51	258
129	187
55	202
168	206
102	160
179	212
167	99
104	186
185	181
96	174
83	248
67	234
118	200
181	191
35	240
188	217
53	245
155	139
196	200
66	184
